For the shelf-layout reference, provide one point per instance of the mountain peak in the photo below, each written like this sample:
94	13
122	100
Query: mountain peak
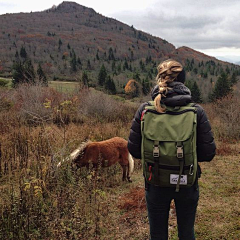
68	7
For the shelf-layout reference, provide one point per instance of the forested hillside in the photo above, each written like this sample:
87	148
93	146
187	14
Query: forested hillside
73	42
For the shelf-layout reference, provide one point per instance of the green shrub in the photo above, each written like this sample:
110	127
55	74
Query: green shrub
3	82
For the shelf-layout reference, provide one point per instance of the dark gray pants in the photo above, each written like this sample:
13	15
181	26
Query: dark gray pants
158	205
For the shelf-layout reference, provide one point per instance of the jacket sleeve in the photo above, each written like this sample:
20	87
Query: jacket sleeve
206	148
135	137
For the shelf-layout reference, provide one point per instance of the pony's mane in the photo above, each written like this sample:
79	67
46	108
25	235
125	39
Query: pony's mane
79	150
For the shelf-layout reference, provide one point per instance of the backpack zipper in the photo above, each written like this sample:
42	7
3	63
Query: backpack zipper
172	167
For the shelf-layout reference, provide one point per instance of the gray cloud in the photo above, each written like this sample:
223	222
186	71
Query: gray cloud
199	24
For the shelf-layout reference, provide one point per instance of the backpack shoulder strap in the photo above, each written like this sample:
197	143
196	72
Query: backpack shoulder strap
150	105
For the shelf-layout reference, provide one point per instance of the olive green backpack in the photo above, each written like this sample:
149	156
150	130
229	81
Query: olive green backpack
169	154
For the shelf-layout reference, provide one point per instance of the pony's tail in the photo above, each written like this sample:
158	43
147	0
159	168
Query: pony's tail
130	164
71	157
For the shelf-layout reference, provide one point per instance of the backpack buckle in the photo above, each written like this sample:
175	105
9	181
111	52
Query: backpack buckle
155	151
179	152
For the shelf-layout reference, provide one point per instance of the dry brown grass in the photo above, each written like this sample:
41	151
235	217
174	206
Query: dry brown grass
224	115
40	202
218	215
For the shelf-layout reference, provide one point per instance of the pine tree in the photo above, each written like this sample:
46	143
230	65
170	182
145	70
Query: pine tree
110	54
89	65
97	57
110	85
102	76
29	72
196	93
222	87
125	65
73	62
234	79
146	86
17	73
113	66
79	61
142	65
136	76
41	75
119	68
85	78
23	53
23	73
59	44
17	55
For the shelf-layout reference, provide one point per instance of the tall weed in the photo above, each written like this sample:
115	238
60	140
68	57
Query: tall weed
225	115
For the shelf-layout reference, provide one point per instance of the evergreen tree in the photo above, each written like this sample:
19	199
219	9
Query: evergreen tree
23	73
142	65
125	65
130	67
17	55
102	76
148	59
17	73
23	53
119	68
136	77
59	43
189	84
29	72
195	70
146	86
110	54
110	85
41	75
79	61
196	93
222	87
89	65
113	66
97	57
85	78
234	79
132	55
73	62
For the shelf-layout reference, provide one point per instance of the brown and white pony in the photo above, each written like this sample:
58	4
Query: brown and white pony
104	154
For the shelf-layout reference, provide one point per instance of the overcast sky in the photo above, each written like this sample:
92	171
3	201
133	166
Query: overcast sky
210	26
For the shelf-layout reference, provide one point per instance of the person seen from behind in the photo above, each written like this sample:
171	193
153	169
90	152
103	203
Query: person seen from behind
170	92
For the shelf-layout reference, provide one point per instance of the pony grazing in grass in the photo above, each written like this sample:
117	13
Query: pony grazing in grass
105	154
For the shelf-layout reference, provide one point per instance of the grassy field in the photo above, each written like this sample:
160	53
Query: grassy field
218	214
61	86
104	207
65	87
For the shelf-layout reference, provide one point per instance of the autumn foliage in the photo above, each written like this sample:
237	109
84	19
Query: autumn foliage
132	88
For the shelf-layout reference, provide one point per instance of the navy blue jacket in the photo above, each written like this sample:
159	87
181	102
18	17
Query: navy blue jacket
179	95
